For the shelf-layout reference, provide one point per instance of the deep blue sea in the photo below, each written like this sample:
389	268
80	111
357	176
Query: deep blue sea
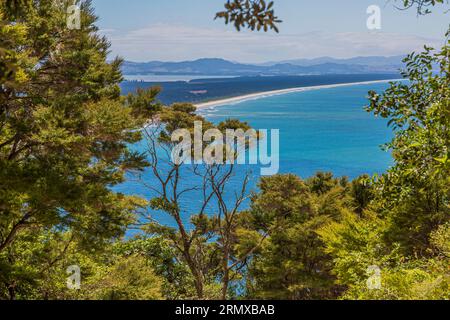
320	130
325	129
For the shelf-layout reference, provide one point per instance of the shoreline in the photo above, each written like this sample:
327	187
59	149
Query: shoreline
263	94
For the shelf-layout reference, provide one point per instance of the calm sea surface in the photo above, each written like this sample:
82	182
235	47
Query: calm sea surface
320	130
325	129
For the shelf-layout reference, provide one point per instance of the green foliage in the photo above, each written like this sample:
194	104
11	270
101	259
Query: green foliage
144	103
163	258
414	194
356	245
35	268
423	6
292	263
129	278
207	245
64	136
362	192
64	129
403	229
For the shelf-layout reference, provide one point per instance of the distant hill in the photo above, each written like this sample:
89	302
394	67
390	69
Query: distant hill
372	61
221	67
199	90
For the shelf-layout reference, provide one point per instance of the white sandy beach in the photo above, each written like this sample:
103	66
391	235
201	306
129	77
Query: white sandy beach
258	95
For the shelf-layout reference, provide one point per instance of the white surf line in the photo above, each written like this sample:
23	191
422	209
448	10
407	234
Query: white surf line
258	95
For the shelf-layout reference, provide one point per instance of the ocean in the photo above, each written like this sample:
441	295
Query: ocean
320	130
189	89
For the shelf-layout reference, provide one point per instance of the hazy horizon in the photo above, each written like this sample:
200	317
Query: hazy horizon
143	31
269	61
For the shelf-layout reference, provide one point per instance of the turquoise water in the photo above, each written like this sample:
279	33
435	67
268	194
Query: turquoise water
320	130
325	129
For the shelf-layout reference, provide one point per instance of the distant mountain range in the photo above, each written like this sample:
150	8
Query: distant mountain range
221	67
372	61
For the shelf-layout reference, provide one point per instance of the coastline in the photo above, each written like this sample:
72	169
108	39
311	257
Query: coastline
259	95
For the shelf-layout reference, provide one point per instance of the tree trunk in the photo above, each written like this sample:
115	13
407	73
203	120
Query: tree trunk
226	273
198	281
12	292
13	232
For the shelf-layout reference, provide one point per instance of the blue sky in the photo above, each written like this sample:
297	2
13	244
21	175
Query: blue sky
175	30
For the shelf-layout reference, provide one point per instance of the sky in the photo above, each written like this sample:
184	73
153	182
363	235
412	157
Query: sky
178	30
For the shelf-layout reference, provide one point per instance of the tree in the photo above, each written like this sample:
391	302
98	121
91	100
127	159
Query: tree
415	192
64	129
370	268
204	242
362	192
64	136
292	263
37	269
177	282
128	278
401	232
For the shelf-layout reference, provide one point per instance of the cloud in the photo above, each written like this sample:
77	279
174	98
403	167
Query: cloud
176	42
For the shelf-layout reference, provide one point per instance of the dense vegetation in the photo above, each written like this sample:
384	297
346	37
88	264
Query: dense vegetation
64	136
